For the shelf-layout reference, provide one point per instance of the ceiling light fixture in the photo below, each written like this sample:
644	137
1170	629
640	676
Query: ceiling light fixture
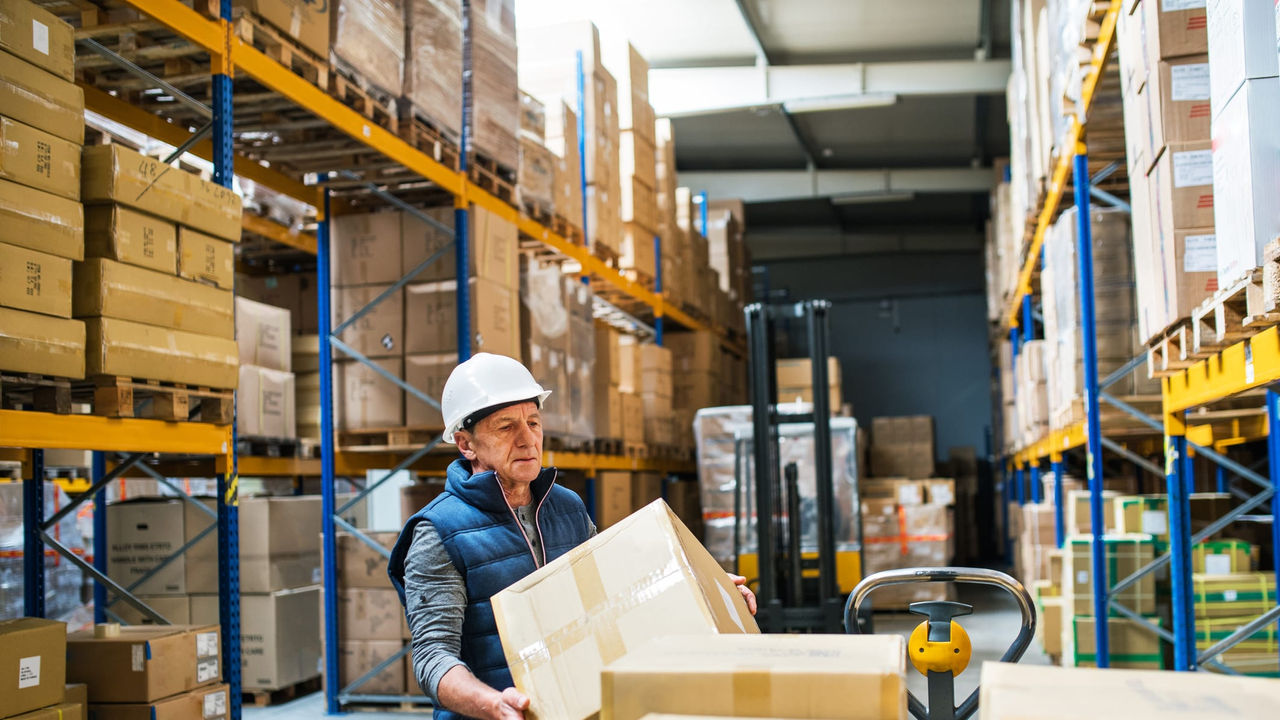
873	198
830	103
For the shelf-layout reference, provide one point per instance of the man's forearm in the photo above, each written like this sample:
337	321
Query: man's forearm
465	694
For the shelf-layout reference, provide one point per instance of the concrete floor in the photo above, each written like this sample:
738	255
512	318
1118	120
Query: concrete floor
991	628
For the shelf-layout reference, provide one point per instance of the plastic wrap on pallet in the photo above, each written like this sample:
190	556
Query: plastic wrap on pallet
495	98
533	118
581	357
63	581
535	180
368	38
545	330
433	63
724	433
562	141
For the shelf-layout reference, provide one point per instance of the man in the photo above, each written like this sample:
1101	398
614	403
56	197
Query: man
501	517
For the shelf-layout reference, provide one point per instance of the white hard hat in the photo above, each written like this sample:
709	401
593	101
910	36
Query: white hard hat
484	381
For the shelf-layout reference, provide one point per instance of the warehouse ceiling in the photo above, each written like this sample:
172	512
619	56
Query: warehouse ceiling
849	126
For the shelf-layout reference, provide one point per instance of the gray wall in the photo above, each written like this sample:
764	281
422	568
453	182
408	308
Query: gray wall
910	332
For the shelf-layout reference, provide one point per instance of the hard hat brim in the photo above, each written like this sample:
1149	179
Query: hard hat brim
455	426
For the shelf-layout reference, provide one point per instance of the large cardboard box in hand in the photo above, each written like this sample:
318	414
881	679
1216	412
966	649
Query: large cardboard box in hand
775	676
41	99
37	36
1033	692
41	221
106	288
119	233
113	173
564	623
39	159
33	663
144	664
205	703
132	349
41	344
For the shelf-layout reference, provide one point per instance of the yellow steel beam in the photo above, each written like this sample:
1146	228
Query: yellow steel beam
1246	365
273	230
1062	170
37	430
157	127
1055	443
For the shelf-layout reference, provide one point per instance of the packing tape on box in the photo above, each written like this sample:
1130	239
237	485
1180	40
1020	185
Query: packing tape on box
586	575
903	538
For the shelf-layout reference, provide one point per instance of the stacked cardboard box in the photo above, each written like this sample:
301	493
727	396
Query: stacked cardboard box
368	43
33	651
266	406
371	622
549	71
962	464
1134	646
902	446
562	141
676	249
606	381
697	368
646	369
730	255
41	219
179	675
560	347
638	201
536	175
907	529
433	64
489	44
1031	392
578	392
795	382
1223	604
308	25
1036	541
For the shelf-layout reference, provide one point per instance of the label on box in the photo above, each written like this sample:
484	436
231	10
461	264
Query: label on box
1229	595
1192	168
29	672
1200	254
40	37
207	670
1189	82
1178	5
1154	522
1217	564
215	704
1082	577
138	658
206	644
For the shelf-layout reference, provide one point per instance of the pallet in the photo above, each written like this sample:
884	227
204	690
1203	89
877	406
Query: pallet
387	439
606	254
1113	420
1235	313
124	397
609	446
570	231
640	278
356	93
428	138
267	698
29	391
279	46
268	446
1172	351
635	450
492	177
561	443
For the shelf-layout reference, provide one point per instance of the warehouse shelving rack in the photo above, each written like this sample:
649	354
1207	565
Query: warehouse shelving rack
1248	365
229	56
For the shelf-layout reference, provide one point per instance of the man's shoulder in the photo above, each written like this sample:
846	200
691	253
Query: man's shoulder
566	498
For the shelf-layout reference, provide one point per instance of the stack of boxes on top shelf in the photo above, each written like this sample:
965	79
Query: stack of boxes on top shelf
794	379
729	256
638	162
433	66
41	219
489	52
702	378
536	178
279	576
907	518
34	652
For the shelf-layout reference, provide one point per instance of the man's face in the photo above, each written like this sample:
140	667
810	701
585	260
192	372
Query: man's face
508	442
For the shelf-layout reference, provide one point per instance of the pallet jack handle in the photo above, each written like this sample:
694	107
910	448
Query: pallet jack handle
977	576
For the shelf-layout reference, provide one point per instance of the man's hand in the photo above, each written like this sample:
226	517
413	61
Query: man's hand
747	595
511	705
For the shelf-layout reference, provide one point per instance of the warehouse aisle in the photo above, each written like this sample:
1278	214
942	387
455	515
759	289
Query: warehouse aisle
312	706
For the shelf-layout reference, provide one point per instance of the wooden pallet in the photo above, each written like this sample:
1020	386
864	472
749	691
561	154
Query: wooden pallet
353	91
427	137
29	391
1172	351
609	446
1114	420
492	177
640	278
1234	313
268	446
124	397
606	253
279	46
571	231
387	439
564	443
267	698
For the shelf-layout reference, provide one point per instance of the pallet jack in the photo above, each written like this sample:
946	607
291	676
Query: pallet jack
939	647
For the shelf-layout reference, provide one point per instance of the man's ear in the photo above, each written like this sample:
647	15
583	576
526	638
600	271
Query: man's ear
462	439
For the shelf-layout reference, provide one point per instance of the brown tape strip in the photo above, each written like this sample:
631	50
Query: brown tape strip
594	599
752	693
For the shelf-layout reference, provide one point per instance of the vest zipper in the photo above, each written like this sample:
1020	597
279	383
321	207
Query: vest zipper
520	525
537	524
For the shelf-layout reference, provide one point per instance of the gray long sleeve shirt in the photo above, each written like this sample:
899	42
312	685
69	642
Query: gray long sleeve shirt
435	597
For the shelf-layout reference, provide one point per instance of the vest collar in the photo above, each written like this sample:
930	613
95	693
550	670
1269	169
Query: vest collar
483	491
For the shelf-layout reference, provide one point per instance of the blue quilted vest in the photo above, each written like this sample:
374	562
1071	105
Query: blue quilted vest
487	545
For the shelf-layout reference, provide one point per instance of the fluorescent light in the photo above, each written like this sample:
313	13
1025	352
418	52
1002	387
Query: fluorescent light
839	102
871	198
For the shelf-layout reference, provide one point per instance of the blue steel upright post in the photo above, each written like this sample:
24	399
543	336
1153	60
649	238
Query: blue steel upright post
1037	493
1019	483
582	145
228	492
32	543
1088	324
99	469
657	287
461	224
1059	530
328	504
1177	467
1273	454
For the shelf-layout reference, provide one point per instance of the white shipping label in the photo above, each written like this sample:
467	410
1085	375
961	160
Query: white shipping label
1155	522
40	37
207	670
1200	254
28	672
1176	5
1189	82
1082	577
1217	564
215	704
206	644
138	658
1192	168
1229	595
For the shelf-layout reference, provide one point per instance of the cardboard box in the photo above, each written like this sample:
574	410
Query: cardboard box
1125	555
307	406
798	372
141	535
279	645
613	497
1132	645
205	258
365	249
39	159
1242	43
904	536
651	554
265	406
1171	28
77	694
368	399
494	249
380	332
41	99
174	608
41	221
427	373
638	159
61	711
1246	169
357	657
37	36
130	349
109	289
1178	102
1218	596
416	496
632	418
1078	517
113	173
431	317
33	654
35	281
368	41
776	676
308	23
359	566
34	343
144	664
205	703
638	203
1223	557
1182	185
1052	616
295	292
695	351
277	547
495	98
119	233
370	614
263	335
433	62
